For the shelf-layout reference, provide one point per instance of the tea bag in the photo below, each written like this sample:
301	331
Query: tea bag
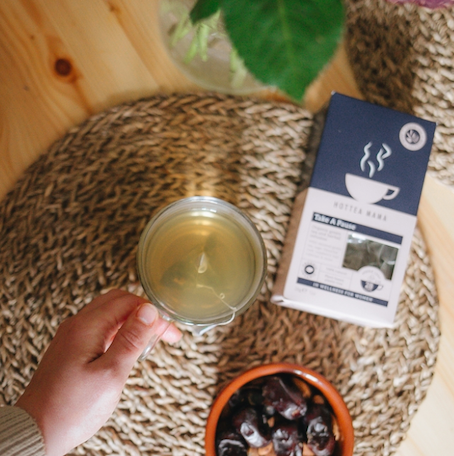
195	270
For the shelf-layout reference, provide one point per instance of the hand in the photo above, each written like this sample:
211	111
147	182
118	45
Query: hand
79	381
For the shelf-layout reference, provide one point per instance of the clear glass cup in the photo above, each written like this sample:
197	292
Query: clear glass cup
201	262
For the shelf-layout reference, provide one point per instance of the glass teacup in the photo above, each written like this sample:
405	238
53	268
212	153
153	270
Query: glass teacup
201	262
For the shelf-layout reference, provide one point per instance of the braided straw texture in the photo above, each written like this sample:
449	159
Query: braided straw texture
403	57
70	227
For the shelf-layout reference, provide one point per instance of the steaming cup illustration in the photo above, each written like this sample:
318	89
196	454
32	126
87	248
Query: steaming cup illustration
369	191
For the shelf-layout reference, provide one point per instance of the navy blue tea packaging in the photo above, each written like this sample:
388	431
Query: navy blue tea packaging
346	252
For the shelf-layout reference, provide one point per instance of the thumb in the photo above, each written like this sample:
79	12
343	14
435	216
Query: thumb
132	338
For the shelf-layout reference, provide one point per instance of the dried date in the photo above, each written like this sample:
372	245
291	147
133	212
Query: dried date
320	437
286	438
230	443
251	425
284	397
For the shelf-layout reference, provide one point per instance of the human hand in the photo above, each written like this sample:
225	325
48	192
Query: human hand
79	381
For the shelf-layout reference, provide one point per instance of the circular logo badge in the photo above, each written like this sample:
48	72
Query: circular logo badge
412	136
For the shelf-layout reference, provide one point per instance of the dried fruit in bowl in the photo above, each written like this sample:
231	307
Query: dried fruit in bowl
277	415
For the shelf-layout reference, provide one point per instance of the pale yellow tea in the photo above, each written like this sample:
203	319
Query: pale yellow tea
202	265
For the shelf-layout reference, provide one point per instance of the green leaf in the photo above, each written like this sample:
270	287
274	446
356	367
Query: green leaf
203	9
284	43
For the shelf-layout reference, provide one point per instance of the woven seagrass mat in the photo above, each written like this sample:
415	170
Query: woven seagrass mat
69	229
402	56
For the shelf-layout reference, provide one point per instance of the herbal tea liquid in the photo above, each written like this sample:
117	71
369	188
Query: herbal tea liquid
202	265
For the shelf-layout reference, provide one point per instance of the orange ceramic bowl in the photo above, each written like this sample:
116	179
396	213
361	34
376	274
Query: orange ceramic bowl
313	378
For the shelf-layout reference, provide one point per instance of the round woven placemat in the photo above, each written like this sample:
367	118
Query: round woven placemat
70	227
402	56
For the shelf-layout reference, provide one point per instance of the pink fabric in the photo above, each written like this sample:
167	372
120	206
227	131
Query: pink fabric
432	4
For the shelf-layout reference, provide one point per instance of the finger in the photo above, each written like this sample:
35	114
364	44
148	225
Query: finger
103	321
109	300
116	309
103	299
171	334
132	338
109	296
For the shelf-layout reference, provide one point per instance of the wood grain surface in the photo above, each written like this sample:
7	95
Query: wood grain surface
63	60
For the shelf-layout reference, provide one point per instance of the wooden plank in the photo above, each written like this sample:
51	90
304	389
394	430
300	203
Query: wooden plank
62	61
431	431
139	21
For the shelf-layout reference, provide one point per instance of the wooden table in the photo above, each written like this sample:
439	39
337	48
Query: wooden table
64	60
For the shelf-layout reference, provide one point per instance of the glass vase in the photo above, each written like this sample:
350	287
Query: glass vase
203	51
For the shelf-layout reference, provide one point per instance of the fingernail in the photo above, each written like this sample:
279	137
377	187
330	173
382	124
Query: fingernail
147	313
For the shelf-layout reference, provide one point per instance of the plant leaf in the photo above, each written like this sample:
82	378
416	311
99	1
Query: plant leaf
203	9
284	43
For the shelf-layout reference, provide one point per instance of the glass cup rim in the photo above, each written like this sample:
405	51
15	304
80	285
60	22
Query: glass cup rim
181	203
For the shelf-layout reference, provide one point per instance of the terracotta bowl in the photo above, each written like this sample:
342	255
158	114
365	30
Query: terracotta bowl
345	443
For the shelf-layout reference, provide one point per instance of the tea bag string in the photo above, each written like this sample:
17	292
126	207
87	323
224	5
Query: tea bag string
202	267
